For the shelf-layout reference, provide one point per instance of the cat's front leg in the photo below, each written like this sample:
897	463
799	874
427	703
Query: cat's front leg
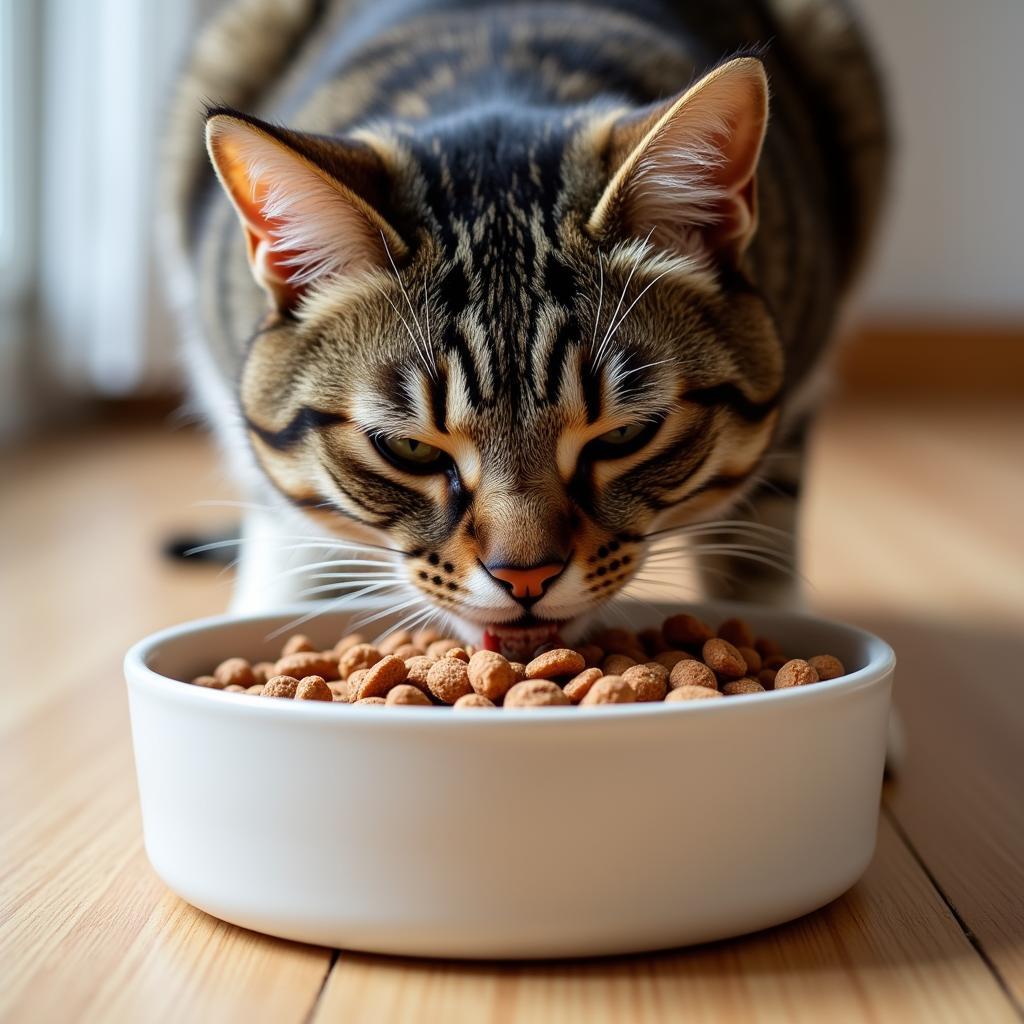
266	577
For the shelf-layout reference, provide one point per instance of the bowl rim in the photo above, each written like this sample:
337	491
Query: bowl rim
139	675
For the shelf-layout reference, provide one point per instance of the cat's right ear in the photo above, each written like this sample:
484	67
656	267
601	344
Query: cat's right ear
302	203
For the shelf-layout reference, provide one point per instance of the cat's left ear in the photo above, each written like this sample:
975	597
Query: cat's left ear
685	172
307	204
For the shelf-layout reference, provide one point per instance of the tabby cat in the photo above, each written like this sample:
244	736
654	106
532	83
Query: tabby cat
491	299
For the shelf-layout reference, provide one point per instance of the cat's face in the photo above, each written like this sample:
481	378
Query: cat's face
519	363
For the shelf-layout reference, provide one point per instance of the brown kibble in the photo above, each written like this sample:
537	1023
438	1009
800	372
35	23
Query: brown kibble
297	644
256	689
579	686
767	647
536	693
262	671
617	641
234	670
425	637
685	631
651	641
774	661
313	688
281	686
417	668
341	691
439	648
391	643
672	658
491	675
448	680
209	683
388	672
364	701
348	642
234	689
408	651
691	693
520	670
592	654
752	658
796	672
723	658
692	673
827	666
308	663
616	664
404	693
766	677
473	700
610	690
358	656
648	683
458	652
737	632
736	687
556	663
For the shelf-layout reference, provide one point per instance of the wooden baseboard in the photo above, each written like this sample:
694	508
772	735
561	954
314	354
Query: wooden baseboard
940	361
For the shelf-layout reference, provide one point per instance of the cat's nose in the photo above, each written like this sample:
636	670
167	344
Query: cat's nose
526	584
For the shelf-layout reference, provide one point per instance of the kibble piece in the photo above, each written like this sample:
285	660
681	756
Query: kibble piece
579	686
391	643
692	673
210	683
296	645
368	700
408	651
388	672
439	648
555	664
234	689
767	647
685	631
458	652
313	688
308	663
425	637
672	658
827	666
774	661
652	641
358	656
473	700
592	654
766	677
347	642
752	658
610	690
796	672
536	693
404	693
691	693
341	691
647	683
519	669
736	687
262	671
256	689
491	675
281	686
417	668
616	664
617	641
723	658
737	632
234	670
448	680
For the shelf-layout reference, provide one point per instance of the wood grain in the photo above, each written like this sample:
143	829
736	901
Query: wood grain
912	529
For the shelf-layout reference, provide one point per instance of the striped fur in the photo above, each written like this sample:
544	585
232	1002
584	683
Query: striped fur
519	302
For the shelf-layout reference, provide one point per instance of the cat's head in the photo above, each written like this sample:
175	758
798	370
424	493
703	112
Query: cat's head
506	345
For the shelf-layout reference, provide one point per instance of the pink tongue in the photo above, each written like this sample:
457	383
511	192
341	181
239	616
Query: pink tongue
519	642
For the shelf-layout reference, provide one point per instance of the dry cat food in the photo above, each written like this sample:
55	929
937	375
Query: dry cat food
683	660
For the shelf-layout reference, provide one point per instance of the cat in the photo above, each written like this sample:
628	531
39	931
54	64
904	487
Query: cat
500	297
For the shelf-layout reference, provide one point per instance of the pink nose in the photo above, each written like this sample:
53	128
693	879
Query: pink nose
527	582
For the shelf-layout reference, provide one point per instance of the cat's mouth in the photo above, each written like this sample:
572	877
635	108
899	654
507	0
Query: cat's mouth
520	639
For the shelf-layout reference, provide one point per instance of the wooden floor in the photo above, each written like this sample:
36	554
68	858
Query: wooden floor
914	529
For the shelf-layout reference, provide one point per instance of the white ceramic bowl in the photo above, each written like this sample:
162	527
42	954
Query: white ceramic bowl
543	833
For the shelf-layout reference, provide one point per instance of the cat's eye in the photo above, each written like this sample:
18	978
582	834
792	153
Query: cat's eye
621	441
411	455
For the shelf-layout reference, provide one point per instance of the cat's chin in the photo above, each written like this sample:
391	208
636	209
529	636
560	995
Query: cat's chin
520	639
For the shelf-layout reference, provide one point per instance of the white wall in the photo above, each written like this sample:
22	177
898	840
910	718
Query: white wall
953	246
